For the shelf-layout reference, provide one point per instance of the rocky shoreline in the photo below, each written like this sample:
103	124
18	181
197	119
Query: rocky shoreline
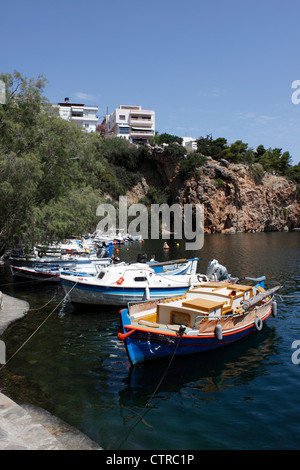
24	426
236	197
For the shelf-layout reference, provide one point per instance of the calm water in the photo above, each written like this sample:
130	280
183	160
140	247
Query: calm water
245	396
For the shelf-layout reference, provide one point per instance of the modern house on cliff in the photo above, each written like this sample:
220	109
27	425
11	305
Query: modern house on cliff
84	116
132	123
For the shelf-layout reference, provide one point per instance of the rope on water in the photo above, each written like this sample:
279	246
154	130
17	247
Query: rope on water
282	297
34	281
146	408
45	305
38	328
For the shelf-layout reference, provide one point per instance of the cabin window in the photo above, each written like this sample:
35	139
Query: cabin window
178	318
140	279
101	275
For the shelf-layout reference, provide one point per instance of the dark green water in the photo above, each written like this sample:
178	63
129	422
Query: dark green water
245	396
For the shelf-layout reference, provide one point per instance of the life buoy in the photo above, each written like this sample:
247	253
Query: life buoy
258	323
120	281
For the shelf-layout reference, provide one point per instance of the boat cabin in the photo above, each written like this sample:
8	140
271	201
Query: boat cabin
209	301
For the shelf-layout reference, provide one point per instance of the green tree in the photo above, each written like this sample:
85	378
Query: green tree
237	152
188	166
294	173
44	160
209	147
273	160
169	139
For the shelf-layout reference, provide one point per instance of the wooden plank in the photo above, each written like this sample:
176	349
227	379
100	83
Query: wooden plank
202	304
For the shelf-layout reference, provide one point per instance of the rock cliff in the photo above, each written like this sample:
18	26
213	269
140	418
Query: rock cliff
234	198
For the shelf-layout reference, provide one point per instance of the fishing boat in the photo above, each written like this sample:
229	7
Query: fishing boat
48	265
116	285
122	283
208	316
47	271
38	272
175	267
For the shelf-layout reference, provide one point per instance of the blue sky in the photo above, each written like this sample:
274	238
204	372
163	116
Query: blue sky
206	67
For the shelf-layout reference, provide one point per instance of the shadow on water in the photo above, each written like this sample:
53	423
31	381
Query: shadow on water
209	372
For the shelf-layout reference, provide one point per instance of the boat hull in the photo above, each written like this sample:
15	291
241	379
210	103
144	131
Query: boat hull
143	345
117	295
23	273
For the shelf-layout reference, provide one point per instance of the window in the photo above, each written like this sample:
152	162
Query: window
140	279
122	117
124	130
77	114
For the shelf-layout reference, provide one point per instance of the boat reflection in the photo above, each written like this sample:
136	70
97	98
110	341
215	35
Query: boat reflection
207	373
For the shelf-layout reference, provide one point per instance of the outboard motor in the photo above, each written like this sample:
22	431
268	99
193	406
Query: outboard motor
216	272
103	252
142	258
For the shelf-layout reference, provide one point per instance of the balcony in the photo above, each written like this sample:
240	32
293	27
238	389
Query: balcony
141	119
141	132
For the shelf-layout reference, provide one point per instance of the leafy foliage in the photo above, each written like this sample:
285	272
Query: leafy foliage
187	166
53	175
50	170
271	160
169	139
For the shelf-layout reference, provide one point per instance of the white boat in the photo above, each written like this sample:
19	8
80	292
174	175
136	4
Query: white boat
175	267
50	271
119	284
115	236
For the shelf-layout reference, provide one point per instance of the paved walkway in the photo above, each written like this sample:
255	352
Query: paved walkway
30	428
27	427
12	310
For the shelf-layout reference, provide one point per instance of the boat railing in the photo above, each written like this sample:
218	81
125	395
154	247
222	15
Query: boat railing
239	311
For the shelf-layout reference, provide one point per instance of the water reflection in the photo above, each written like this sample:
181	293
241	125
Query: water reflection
209	373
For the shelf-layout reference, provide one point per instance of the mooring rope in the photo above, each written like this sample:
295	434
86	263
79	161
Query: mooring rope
283	296
39	327
45	305
146	407
34	281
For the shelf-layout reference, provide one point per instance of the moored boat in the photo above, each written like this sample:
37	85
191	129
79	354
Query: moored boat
119	284
208	316
175	267
122	283
48	266
50	272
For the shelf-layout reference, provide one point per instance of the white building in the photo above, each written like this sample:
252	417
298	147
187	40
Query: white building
2	92
84	116
189	143
132	123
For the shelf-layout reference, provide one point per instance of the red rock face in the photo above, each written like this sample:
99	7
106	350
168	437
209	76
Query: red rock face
234	201
235	198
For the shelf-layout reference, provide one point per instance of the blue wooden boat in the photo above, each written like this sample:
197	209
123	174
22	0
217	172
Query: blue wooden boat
207	317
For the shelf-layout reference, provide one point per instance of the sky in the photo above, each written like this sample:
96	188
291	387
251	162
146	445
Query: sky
220	68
